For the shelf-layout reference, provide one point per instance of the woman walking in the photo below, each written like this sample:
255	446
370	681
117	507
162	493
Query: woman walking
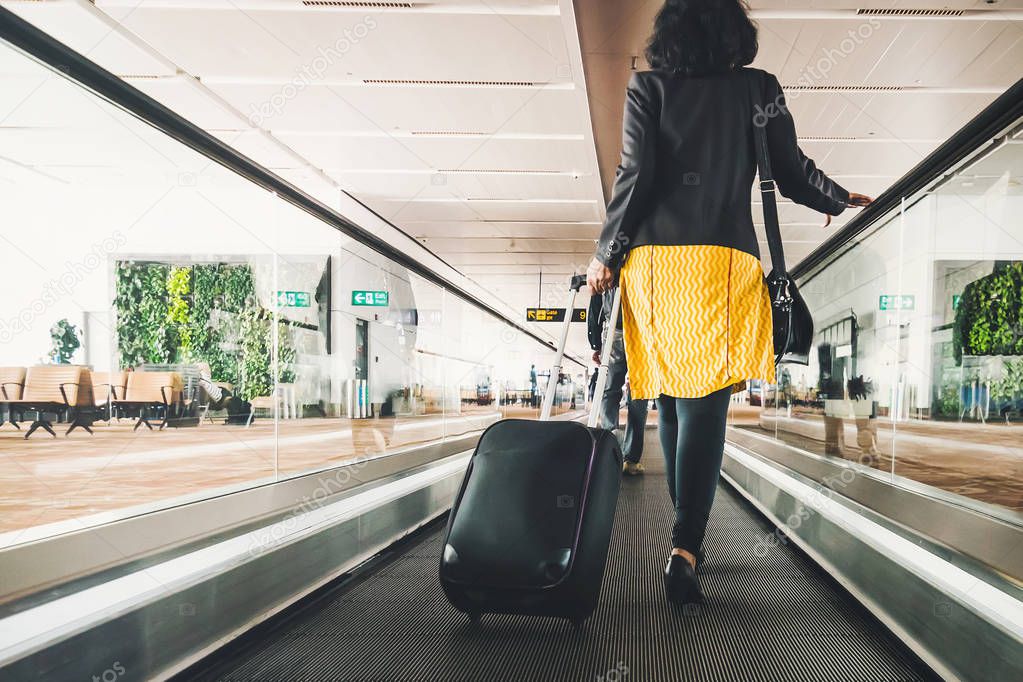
697	316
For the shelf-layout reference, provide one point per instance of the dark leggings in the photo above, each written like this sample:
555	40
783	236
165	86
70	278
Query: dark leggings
692	432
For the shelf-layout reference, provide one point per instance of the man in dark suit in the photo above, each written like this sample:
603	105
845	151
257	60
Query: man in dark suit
617	369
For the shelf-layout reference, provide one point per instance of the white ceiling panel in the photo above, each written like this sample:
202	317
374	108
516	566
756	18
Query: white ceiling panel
192	102
488	271
319	108
122	144
345	46
450	229
908	115
891	51
864	159
457	209
258	146
545	259
485	246
94	35
429	184
341	153
480	139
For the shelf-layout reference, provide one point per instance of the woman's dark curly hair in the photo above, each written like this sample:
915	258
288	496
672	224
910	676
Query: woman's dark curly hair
698	37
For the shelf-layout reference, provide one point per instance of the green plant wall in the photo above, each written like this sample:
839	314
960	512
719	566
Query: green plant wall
140	304
200	313
179	288
989	319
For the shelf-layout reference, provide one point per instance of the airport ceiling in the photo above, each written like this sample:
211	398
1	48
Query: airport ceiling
489	130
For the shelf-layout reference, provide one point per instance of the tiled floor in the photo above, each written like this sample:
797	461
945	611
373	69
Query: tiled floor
980	461
48	480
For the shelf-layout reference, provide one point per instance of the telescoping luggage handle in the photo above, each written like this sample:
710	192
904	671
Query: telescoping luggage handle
578	282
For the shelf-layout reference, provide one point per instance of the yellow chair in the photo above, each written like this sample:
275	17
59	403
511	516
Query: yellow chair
57	388
107	387
12	385
148	390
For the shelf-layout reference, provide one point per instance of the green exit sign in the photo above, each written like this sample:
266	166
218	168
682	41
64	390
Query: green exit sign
376	298
896	302
293	299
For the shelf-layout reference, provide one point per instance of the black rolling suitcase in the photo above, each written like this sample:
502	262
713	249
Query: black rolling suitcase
530	527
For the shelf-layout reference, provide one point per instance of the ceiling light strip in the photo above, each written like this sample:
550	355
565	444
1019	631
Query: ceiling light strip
450	83
391	83
904	89
855	15
908	12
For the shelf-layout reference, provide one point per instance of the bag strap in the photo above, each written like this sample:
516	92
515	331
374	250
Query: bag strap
767	189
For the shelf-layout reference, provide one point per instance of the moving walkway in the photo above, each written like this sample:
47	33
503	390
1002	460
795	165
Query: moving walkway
771	614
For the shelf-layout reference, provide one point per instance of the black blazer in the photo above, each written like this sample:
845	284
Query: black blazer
688	163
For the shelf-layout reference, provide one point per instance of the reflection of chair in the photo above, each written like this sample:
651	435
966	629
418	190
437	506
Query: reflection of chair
12	383
108	387
266	402
150	390
57	388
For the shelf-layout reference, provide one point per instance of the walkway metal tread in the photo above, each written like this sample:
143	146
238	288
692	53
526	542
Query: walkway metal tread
770	615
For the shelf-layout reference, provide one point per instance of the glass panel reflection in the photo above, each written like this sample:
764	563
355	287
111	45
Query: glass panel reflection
917	369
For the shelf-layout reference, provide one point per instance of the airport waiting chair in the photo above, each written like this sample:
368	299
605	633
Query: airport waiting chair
108	387
265	402
146	391
12	385
57	389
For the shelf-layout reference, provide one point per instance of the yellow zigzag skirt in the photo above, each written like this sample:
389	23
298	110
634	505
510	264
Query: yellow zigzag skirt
696	319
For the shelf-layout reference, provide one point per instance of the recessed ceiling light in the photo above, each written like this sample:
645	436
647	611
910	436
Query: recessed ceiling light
907	12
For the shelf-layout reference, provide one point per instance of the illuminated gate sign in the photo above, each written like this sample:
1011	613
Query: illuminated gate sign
553	315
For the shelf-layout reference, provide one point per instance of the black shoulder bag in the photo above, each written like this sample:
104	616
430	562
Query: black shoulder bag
793	323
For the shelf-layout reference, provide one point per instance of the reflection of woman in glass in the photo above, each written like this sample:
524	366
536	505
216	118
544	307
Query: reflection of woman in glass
697	316
832	392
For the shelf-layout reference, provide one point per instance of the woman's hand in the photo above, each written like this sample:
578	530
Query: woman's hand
859	200
599	277
855	201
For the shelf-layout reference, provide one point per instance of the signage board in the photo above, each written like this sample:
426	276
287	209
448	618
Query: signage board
370	298
553	315
293	299
896	302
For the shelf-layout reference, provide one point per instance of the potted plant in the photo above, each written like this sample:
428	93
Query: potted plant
65	340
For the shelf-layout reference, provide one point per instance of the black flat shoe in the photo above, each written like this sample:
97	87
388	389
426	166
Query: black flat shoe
680	584
701	557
